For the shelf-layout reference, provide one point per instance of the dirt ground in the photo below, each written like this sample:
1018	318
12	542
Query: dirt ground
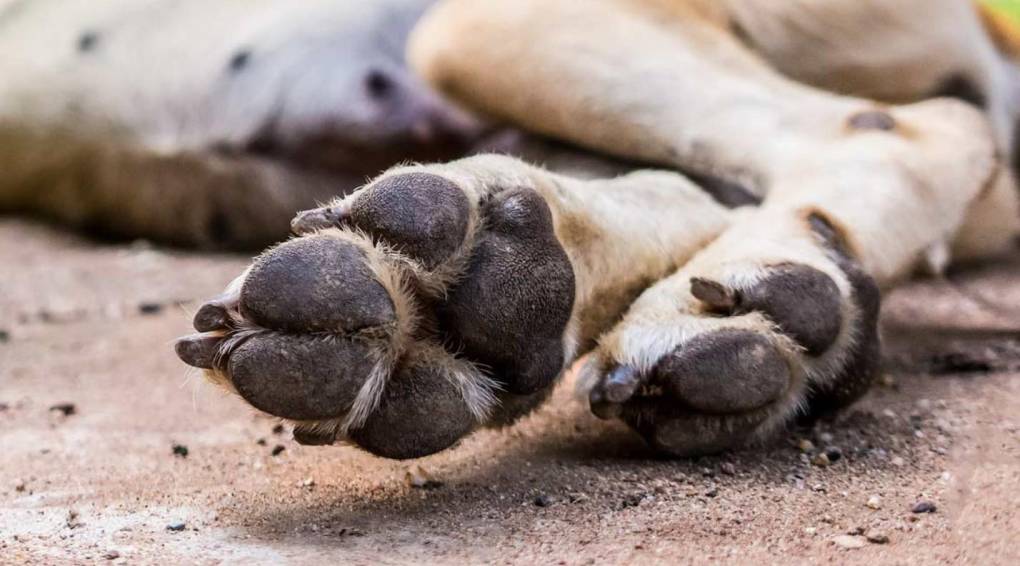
92	325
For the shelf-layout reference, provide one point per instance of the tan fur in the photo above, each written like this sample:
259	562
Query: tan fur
619	234
819	107
669	83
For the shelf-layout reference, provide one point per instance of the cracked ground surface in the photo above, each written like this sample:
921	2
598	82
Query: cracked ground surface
92	325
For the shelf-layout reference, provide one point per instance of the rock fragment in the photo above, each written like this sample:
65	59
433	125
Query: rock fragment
923	507
850	541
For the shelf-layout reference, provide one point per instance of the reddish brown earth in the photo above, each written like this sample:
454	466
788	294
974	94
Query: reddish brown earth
944	427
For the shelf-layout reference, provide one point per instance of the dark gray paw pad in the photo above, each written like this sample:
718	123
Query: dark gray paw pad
803	301
313	437
672	431
308	221
213	315
424	215
728	371
421	413
863	359
198	350
316	283
513	304
300	377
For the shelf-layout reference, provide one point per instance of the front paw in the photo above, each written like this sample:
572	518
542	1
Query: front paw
703	364
399	319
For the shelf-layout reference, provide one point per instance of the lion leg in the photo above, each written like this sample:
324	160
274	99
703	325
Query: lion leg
443	297
779	314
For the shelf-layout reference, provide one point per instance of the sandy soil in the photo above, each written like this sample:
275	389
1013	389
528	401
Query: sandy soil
92	325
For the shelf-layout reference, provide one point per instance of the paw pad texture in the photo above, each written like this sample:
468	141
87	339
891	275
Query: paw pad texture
424	215
316	283
300	377
728	371
514	302
421	412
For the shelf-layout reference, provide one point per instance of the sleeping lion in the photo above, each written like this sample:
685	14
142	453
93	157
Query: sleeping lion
703	199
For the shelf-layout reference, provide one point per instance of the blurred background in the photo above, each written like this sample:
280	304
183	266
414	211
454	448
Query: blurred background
112	233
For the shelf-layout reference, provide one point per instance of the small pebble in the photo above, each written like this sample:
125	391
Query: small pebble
307	483
805	445
20	486
874	502
112	555
178	526
712	491
876	536
67	409
850	541
5	336
261	442
150	308
278	429
728	468
543	500
278	449
825	437
923	507
897	461
821	460
180	450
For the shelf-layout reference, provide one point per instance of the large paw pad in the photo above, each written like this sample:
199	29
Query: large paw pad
318	283
751	352
517	294
803	301
339	331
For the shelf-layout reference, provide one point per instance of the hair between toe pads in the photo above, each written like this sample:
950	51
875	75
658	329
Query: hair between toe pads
421	412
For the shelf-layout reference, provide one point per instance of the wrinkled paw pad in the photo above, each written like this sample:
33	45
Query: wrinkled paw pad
338	331
300	377
728	371
422	411
802	301
199	350
304	333
514	302
317	283
424	216
721	372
